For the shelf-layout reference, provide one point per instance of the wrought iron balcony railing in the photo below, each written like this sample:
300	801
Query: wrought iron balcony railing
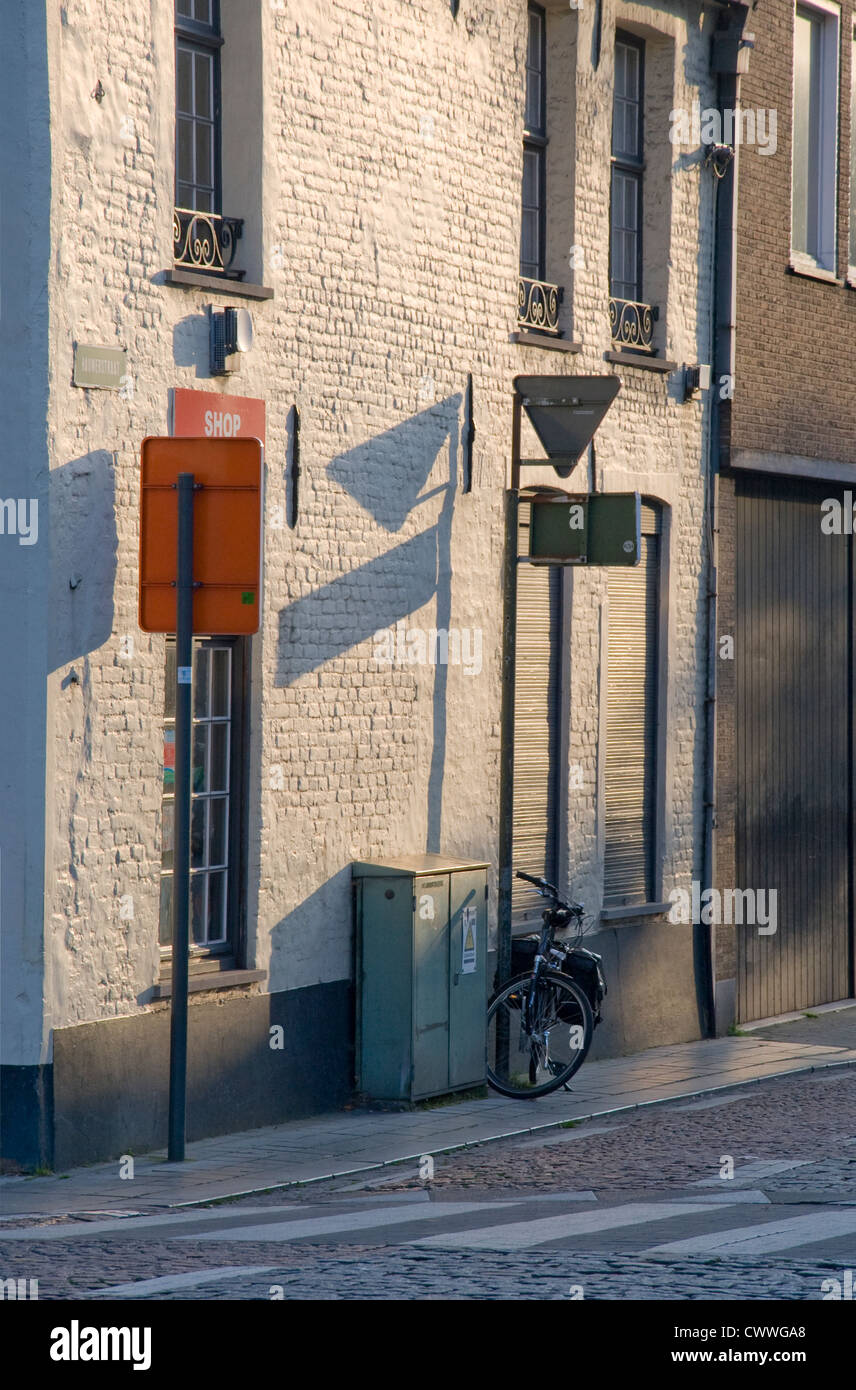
538	305
632	324
205	241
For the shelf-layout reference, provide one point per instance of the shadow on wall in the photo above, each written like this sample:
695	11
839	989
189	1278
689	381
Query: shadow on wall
289	939
190	343
386	476
83	551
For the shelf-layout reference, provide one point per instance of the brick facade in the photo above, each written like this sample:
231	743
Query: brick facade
375	153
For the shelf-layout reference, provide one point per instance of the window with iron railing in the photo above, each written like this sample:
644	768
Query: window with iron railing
203	239
537	301
631	320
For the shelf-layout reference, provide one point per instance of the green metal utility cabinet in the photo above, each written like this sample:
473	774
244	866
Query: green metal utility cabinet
421	982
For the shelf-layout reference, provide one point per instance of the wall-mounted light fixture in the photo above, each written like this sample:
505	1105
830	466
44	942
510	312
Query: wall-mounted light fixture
231	331
696	379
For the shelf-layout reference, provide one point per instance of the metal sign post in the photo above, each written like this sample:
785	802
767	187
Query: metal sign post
181	844
200	572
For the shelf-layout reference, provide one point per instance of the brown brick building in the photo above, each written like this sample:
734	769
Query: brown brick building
785	766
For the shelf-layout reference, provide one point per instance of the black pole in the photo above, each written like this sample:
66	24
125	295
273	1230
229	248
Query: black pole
509	658
181	842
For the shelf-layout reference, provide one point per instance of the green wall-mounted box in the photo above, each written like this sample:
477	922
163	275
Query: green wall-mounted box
421	979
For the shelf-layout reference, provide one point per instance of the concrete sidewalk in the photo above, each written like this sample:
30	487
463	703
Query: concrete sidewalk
356	1141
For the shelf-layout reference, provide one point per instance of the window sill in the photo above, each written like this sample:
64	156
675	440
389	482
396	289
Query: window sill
209	979
851	278
540	340
194	279
648	364
813	272
619	914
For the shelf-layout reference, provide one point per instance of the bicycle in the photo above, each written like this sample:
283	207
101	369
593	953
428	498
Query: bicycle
540	1025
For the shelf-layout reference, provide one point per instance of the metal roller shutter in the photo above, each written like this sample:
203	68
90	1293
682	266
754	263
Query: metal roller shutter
631	738
536	696
796	788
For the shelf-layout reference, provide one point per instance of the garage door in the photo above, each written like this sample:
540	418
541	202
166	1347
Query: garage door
795	778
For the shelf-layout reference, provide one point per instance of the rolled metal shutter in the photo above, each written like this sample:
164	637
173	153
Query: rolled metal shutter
631	736
536	697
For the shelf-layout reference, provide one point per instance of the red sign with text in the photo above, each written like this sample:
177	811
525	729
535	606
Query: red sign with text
209	415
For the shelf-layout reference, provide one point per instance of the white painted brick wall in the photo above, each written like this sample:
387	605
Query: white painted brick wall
390	183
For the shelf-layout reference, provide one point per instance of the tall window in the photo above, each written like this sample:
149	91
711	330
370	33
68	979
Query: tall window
631	740
852	257
197	105
625	257
534	149
815	135
216	760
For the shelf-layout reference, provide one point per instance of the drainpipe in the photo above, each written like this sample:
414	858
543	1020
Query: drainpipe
730	59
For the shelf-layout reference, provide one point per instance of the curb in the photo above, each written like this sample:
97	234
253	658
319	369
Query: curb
512	1134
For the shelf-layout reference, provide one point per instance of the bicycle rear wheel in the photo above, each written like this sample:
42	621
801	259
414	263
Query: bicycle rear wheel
538	1035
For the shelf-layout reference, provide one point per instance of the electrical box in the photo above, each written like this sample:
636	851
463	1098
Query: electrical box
421	978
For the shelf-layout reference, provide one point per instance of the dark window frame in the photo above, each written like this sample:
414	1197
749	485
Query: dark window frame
203	38
231	952
535	141
631	166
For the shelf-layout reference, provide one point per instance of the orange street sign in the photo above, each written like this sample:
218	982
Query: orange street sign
227	530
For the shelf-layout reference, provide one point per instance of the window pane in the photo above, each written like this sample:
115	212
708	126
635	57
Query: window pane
169	682
183	7
529	262
220	680
624	251
204	95
197	832
806	153
197	909
202	11
217	907
627	105
168	759
530	179
184	155
217	817
184	79
531	221
168	833
200	758
165	928
200	683
204	156
534	73
219	758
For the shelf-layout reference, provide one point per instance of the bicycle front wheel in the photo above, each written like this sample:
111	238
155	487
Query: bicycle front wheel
538	1034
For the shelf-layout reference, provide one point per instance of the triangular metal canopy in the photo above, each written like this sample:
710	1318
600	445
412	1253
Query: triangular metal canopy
565	411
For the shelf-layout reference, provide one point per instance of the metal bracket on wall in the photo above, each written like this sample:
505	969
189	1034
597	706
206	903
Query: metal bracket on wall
469	435
294	470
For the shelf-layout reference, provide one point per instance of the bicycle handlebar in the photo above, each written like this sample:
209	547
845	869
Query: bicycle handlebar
548	890
539	882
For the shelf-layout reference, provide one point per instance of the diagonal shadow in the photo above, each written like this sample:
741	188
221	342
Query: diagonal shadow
353	607
387	473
